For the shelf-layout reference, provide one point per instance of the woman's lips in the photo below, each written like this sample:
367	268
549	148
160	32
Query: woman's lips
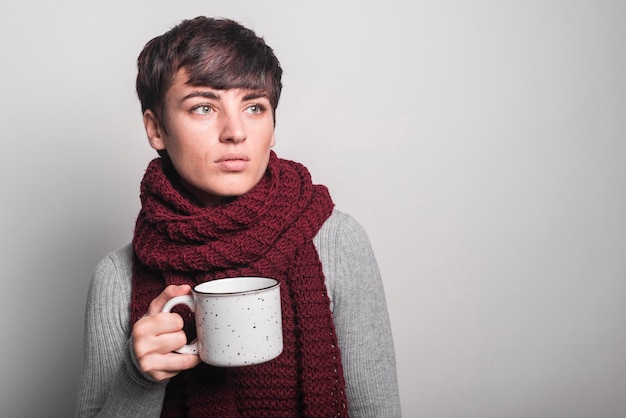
233	162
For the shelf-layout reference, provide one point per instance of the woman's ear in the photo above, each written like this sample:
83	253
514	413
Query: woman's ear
155	133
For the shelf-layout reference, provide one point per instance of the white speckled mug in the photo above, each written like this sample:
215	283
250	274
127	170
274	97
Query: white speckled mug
238	321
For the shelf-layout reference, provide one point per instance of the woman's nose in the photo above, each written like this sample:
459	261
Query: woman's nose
233	129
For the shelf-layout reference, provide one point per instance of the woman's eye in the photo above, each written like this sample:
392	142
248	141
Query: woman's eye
202	110
255	109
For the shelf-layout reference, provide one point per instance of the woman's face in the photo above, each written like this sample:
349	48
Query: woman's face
219	141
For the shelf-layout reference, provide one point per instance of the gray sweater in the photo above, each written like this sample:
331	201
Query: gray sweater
112	385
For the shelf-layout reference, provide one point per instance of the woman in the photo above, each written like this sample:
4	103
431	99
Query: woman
220	203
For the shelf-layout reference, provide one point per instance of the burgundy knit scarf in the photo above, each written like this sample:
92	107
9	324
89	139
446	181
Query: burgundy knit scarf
267	232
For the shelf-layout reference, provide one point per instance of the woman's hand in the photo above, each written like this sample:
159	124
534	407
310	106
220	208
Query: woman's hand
158	334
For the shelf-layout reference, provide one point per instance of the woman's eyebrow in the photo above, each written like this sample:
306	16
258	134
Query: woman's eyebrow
205	94
256	95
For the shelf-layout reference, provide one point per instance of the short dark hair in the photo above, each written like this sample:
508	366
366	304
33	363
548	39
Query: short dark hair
218	53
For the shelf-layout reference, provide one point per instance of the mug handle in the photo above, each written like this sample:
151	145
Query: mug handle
188	301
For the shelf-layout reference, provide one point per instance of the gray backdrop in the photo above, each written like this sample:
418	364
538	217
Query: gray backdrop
481	144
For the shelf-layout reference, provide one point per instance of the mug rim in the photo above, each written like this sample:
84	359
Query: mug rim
272	283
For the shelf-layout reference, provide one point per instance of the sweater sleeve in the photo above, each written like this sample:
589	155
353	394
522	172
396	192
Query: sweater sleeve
111	385
361	318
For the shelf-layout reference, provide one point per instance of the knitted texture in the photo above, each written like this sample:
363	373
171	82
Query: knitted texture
266	232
